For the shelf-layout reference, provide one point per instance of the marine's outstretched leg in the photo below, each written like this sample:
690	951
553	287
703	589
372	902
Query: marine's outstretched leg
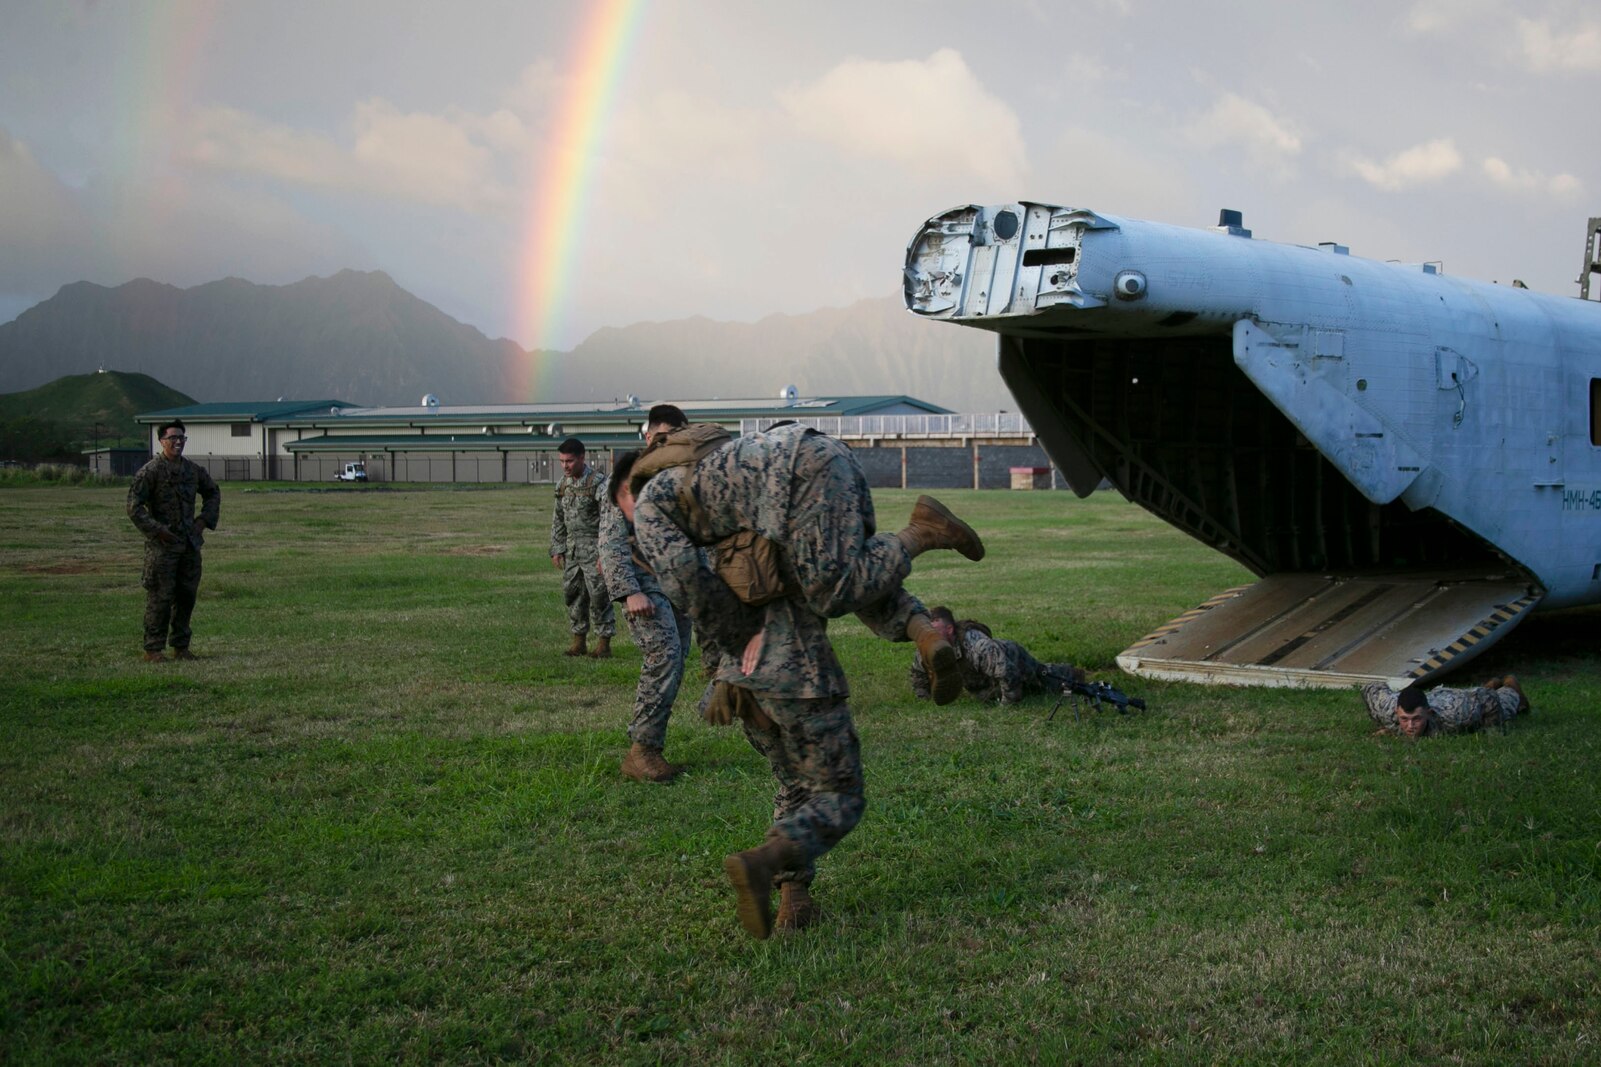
933	525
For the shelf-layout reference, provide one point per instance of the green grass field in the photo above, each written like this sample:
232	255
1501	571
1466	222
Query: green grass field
380	819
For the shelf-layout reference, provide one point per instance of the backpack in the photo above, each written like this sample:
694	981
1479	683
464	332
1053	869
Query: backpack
747	562
682	447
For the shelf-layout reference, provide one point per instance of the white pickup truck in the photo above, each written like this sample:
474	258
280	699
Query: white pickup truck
352	472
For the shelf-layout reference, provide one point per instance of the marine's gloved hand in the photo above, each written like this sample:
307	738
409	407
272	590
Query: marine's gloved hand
724	703
748	709
166	536
717	706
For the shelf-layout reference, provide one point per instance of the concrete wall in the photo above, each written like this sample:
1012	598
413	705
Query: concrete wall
939	468
925	466
540	467
881	465
995	463
936	467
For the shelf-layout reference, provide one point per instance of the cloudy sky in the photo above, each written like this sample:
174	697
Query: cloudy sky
542	169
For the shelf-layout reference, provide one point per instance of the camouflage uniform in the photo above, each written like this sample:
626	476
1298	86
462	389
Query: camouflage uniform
162	500
574	531
994	670
1455	711
663	638
807	494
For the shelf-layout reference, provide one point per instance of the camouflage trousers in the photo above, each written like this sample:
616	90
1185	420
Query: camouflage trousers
171	581
1020	675
841	563
588	603
1464	710
711	656
663	641
816	757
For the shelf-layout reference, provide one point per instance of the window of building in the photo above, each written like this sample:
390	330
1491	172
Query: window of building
239	429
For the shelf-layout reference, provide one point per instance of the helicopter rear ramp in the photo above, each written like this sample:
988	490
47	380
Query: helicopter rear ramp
1408	461
1328	631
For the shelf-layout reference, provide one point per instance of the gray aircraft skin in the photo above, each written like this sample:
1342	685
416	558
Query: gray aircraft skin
1420	451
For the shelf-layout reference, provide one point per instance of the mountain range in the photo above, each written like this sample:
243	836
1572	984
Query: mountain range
360	336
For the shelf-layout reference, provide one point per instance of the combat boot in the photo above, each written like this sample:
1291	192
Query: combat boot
602	649
796	910
1511	682
647	765
939	659
577	647
751	874
933	526
183	653
154	657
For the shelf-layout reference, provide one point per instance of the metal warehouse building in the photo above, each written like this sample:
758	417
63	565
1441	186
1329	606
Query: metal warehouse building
901	441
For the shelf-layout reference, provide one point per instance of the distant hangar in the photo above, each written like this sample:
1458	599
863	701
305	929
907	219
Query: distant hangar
900	439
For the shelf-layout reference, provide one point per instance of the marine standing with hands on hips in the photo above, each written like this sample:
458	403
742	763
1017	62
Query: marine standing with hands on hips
161	503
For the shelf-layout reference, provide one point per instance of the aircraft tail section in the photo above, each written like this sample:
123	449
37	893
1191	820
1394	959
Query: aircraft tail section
1333	631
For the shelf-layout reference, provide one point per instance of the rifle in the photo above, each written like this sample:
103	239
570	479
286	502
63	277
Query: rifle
1096	693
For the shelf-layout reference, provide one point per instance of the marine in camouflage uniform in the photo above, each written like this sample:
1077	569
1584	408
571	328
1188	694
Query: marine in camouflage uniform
805	493
1451	711
161	503
574	533
992	669
663	637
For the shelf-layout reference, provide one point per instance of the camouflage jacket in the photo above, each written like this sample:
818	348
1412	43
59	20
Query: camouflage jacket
162	498
1452	711
621	567
575	523
744	485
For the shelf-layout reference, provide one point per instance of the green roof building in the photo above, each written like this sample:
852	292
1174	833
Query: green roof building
314	440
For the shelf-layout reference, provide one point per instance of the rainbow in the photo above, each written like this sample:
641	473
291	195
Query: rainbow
155	75
560	192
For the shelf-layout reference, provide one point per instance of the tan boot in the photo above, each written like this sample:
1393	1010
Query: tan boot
647	765
577	647
796	910
183	653
154	657
602	648
1511	682
932	525
751	874
939	659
